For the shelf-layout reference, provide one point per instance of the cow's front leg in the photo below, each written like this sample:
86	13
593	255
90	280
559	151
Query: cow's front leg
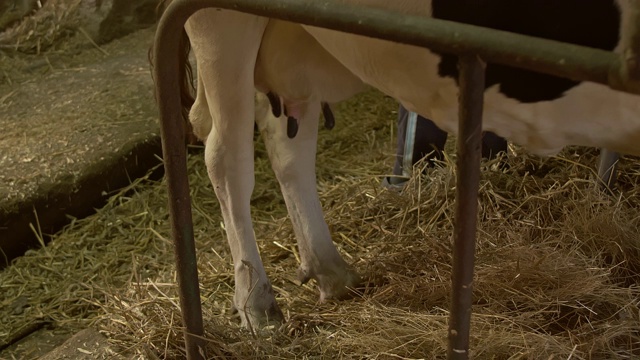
225	46
293	161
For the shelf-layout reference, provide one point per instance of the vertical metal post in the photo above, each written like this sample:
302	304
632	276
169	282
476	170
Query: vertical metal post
471	81
165	71
630	69
631	40
607	166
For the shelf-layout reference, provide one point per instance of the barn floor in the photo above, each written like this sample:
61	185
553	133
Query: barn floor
77	125
557	269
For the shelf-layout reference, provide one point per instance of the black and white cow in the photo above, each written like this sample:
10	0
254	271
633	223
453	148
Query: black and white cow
237	53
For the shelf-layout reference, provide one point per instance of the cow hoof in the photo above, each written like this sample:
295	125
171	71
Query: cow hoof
339	288
334	284
258	316
254	298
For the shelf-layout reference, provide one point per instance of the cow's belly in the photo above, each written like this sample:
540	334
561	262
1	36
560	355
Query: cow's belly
588	114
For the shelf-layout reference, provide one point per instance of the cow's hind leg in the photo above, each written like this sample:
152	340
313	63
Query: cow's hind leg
293	161
225	45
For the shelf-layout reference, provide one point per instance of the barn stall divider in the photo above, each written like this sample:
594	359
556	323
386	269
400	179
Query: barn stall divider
473	44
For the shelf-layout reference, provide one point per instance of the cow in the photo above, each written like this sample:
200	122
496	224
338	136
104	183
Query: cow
305	66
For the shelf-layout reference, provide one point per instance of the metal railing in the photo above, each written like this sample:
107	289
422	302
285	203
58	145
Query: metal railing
473	43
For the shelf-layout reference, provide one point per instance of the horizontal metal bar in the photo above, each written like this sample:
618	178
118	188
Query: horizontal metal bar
501	47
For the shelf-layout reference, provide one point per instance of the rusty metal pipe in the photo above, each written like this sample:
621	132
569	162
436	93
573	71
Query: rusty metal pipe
472	77
165	73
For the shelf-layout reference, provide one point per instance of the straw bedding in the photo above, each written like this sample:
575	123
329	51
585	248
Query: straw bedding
556	270
45	28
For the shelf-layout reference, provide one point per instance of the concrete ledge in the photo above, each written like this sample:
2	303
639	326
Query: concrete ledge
91	190
74	130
